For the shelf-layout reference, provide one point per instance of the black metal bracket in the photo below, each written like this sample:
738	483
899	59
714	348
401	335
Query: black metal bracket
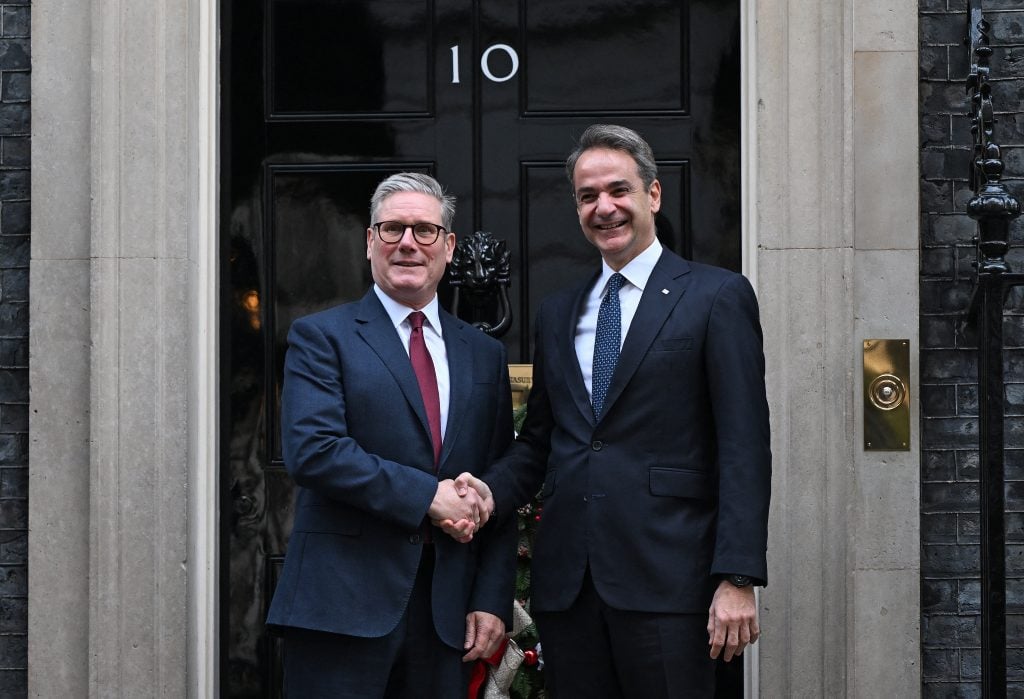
993	207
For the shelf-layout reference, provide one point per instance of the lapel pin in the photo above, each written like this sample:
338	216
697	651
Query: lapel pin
664	291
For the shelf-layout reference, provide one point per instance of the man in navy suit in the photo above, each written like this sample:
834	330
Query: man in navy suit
381	408
647	434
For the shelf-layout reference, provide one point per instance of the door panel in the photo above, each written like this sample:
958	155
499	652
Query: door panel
323	98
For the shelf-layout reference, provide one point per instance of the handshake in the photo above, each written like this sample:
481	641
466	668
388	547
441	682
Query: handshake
461	506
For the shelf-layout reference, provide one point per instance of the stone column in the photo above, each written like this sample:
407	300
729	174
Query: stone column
837	234
115	185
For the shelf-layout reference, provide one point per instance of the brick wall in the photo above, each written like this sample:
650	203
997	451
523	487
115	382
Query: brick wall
950	552
14	260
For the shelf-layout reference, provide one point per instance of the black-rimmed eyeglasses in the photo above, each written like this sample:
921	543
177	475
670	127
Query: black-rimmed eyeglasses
392	231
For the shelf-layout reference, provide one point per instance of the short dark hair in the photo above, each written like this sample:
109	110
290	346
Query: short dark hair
616	138
413	182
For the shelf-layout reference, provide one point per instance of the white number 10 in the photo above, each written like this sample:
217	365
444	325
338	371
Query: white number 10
485	67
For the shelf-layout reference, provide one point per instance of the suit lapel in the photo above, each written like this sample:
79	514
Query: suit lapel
669	275
375	328
460	378
566	349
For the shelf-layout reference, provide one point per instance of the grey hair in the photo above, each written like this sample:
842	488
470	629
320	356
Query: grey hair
616	138
413	182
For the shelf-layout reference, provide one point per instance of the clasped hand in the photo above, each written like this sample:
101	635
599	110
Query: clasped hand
461	506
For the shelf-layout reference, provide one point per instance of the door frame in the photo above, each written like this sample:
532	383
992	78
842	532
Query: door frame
204	514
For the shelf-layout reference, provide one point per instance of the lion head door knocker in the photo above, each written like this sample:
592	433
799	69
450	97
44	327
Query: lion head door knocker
479	274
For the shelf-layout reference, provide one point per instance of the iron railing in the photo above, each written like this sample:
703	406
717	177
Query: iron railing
993	207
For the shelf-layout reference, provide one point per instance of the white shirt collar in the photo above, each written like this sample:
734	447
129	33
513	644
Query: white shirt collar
399	312
637	271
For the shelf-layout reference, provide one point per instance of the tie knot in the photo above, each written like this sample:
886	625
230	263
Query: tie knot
615	283
416	319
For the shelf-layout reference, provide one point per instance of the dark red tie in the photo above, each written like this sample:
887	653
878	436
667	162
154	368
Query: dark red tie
424	368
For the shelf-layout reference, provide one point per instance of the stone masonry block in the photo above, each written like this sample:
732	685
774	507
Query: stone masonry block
937	196
937	29
967	400
937	331
939	528
13	614
938	401
13	417
13	514
941	664
1014	459
953	559
1007	27
14	251
13	581
14	219
939	596
1014	394
14	550
949	631
946	164
15	118
14	284
951	690
949	497
14	184
967	465
937	465
17	21
948	366
13	355
934	62
948	229
14	382
961	130
942	296
16	151
936	130
13	650
15	54
950	433
969	596
15	86
943	97
968	528
14	483
970	663
13	683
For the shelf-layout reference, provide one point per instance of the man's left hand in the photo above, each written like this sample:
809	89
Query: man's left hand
484	634
732	620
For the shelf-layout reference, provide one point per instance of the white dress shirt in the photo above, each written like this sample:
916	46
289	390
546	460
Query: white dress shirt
399	315
636	272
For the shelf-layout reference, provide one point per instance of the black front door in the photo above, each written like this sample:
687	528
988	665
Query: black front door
323	98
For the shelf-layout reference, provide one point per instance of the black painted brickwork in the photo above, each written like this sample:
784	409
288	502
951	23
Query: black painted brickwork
14	261
950	552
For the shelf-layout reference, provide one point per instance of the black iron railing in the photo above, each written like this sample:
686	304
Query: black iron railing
993	207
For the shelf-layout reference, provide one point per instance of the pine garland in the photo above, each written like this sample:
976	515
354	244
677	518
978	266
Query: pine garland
529	680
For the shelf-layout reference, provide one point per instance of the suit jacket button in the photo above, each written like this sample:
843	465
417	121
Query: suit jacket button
597	445
415	539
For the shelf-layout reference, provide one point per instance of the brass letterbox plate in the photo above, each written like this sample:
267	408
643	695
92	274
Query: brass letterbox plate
887	395
521	376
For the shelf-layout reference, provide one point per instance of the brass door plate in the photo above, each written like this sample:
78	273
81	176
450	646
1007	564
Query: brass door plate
887	395
521	377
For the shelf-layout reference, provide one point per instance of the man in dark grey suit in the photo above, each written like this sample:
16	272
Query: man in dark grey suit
647	433
385	401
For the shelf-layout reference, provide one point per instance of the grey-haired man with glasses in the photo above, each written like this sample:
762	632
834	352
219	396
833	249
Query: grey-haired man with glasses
385	402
